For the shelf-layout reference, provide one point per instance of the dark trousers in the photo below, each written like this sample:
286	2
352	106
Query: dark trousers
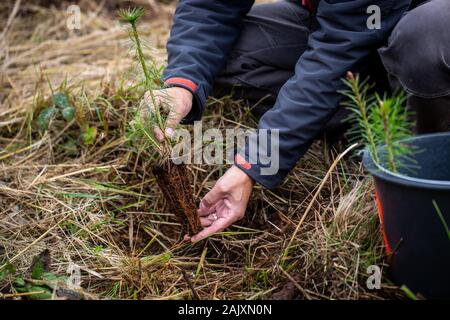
417	57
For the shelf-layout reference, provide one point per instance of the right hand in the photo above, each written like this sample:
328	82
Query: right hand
180	102
225	204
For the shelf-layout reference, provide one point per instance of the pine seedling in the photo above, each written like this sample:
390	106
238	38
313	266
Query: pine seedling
391	125
132	16
172	179
379	121
359	102
142	127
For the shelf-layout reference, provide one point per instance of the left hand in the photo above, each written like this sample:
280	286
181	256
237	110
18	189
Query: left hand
224	204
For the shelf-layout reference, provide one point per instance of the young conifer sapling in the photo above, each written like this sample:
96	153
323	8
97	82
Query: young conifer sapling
172	179
380	122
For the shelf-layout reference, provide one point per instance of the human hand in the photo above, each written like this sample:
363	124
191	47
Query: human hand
224	204
176	101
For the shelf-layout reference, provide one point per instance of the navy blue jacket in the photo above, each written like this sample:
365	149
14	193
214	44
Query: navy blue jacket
204	32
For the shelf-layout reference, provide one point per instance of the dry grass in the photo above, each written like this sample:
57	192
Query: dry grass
99	207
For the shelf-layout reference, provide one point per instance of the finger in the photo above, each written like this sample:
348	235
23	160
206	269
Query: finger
173	120
235	213
149	104
158	133
206	222
143	105
217	226
203	211
211	199
222	209
169	132
163	98
186	238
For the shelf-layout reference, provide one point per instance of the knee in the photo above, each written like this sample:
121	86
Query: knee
422	28
418	54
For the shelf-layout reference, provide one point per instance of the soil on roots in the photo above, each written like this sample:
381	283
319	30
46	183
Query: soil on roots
173	180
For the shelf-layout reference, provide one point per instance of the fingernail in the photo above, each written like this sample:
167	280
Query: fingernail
202	205
169	132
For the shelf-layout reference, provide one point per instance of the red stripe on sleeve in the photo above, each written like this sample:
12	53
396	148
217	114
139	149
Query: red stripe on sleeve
241	161
307	4
182	81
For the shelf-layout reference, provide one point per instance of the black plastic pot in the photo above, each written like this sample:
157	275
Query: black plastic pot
416	238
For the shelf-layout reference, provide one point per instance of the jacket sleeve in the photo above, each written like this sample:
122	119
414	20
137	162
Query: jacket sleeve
202	35
310	98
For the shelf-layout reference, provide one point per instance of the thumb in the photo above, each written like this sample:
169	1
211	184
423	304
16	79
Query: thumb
216	227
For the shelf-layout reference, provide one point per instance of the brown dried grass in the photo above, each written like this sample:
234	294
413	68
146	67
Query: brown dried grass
101	209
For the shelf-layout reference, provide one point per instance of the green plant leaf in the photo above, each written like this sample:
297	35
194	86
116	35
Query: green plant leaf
98	249
41	264
8	268
89	135
166	257
47	294
408	292
68	113
45	116
49	276
21	289
60	100
19	282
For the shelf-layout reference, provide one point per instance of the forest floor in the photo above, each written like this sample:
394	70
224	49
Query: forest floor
74	201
